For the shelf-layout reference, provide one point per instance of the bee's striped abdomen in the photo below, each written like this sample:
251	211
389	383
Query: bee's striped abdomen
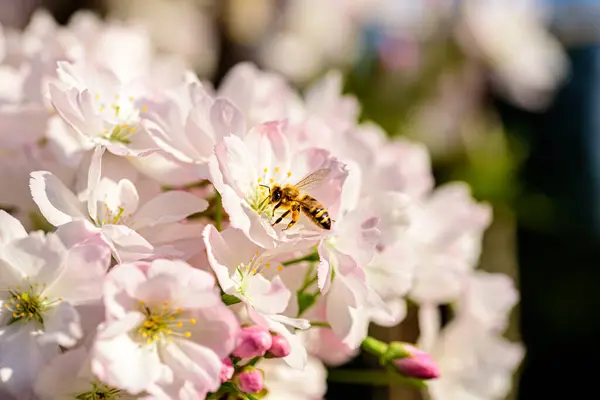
316	212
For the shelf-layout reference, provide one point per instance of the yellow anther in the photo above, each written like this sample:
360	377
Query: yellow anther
166	303
131	98
142	304
289	174
132	129
5	305
193	321
254	270
280	268
259	180
266	170
149	341
97	97
144	108
101	108
179	310
277	169
271	180
267	265
187	334
180	324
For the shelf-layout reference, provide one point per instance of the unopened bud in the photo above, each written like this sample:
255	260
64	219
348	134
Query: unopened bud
227	370
279	348
418	364
254	341
250	380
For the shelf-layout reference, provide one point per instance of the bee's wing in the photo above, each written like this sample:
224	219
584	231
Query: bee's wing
312	179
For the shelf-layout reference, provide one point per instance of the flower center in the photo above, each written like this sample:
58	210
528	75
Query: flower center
247	270
100	391
258	198
162	323
125	115
116	218
29	304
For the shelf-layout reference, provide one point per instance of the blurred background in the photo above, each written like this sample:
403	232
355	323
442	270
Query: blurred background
506	96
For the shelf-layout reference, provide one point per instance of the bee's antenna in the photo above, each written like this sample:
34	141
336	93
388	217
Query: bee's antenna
268	187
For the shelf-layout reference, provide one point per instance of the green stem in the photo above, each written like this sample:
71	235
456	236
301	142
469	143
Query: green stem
309	257
253	361
322	324
218	212
370	377
308	283
229	299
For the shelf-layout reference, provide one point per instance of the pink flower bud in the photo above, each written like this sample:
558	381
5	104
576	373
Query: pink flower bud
279	348
227	369
254	341
250	380
418	364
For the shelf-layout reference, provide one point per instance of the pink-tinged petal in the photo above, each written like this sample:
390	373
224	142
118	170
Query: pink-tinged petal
298	323
120	362
347	317
22	357
124	196
61	326
120	287
217	328
220	257
57	203
385	315
324	269
227	119
394	313
79	232
38	256
182	285
10	228
60	375
269	146
192	362
94	173
166	171
130	246
85	266
430	324
176	240
267	297
65	103
298	356
237	165
172	206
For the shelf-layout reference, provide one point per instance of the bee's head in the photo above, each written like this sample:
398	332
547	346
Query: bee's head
276	193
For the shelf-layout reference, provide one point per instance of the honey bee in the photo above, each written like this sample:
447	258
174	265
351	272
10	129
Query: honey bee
289	197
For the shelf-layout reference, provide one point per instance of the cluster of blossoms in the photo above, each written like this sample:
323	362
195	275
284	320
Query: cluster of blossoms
169	268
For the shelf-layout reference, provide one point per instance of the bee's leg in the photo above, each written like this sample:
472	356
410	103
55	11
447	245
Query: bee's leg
285	214
295	217
276	207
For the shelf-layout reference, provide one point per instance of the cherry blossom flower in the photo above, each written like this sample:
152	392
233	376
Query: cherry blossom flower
166	330
98	106
264	157
113	209
251	276
45	279
188	124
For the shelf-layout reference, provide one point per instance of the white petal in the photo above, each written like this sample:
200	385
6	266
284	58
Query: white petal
57	203
94	174
61	326
83	274
220	256
130	246
193	363
10	228
172	206
123	363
